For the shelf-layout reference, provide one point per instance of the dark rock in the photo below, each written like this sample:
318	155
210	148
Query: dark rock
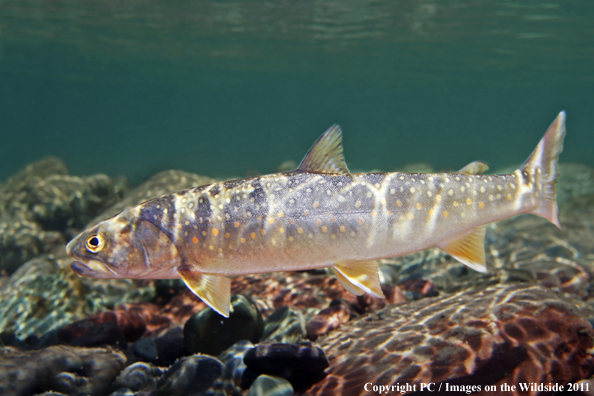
170	346
108	333
268	385
301	364
284	325
146	349
327	320
193	375
504	334
139	376
68	369
210	333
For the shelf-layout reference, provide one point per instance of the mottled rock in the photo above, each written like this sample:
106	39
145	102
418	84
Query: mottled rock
235	376
269	385
285	325
504	334
44	295
41	202
130	319
193	375
244	323
301	364
65	369
327	320
139	376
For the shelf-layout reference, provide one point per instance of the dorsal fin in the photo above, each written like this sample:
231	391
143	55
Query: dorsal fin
475	168
325	156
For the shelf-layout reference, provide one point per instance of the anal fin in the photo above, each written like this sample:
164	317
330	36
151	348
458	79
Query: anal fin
214	290
469	250
359	277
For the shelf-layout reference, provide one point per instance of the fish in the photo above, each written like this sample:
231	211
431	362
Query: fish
319	215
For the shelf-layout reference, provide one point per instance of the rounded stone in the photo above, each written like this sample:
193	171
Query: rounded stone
146	349
210	333
269	385
193	375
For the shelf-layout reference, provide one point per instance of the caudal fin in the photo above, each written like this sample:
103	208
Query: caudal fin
542	167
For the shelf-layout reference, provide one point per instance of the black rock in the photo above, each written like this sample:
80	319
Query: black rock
170	347
210	333
301	364
193	375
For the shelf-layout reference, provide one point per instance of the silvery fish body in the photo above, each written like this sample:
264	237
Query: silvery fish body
319	215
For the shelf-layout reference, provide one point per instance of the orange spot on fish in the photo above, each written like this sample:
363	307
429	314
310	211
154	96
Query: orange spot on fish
446	214
215	232
481	204
253	235
195	240
236	224
227	235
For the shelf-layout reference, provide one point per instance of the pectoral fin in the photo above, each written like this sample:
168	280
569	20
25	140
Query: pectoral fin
214	290
359	277
470	249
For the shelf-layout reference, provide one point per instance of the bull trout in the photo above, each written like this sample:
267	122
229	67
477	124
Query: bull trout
319	215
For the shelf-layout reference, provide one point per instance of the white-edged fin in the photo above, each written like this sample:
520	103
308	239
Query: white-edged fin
325	156
359	277
469	250
475	168
214	290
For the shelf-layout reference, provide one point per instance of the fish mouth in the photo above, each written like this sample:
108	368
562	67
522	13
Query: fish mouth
92	270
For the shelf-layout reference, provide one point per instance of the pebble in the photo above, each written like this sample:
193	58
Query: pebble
269	385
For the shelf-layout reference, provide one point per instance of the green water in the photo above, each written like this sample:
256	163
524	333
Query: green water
223	88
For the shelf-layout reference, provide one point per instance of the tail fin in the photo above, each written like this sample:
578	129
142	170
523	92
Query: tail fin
542	164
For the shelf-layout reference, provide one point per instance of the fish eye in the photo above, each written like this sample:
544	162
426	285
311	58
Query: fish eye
95	243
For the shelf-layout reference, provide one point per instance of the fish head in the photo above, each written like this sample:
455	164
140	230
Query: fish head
124	247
